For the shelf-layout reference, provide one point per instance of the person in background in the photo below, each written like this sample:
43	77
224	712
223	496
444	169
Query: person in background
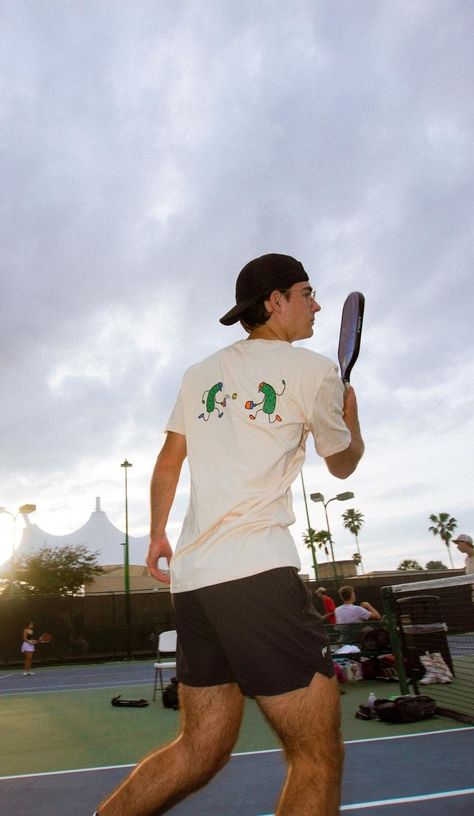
325	605
28	647
349	612
464	545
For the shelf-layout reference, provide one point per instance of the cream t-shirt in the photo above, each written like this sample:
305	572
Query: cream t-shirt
246	412
469	564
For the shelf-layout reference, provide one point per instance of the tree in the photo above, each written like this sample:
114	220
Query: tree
409	564
436	565
322	539
444	525
54	571
312	539
357	560
309	540
353	521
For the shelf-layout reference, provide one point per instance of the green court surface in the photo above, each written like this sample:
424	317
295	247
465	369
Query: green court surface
49	726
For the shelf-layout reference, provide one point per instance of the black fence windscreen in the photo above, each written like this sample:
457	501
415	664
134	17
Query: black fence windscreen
85	627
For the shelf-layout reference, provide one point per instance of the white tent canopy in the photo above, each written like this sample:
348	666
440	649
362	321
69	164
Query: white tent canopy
98	534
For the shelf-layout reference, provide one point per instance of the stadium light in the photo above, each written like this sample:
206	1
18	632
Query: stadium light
24	510
126	571
318	497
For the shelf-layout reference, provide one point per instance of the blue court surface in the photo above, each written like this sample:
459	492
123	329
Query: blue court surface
404	775
425	774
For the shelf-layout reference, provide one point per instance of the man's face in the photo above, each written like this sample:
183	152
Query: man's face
464	547
300	310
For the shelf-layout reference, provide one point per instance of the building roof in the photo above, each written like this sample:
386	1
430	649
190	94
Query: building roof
98	534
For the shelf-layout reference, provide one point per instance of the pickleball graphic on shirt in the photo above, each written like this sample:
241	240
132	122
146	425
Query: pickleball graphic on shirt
214	400
268	403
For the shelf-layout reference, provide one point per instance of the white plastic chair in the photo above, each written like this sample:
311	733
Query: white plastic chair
167	646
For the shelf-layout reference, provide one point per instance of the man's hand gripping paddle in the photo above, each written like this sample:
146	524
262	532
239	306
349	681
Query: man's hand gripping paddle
350	333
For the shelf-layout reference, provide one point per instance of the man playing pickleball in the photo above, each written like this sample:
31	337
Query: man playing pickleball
246	623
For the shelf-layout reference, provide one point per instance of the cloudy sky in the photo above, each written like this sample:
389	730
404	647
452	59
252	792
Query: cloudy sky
151	148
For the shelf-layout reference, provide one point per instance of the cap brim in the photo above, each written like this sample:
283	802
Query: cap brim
234	314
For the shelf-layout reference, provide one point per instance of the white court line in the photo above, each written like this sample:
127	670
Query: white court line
2	676
409	736
82	687
236	754
63	773
374	739
403	800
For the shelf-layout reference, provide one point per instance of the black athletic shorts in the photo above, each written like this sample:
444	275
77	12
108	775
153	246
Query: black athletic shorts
261	632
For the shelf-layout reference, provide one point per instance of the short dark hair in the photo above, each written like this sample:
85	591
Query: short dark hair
345	593
256	314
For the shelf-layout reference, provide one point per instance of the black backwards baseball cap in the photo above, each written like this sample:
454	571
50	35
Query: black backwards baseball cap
260	277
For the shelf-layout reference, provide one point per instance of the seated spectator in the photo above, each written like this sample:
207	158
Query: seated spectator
325	605
349	612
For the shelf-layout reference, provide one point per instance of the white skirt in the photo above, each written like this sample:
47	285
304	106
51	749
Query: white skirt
27	647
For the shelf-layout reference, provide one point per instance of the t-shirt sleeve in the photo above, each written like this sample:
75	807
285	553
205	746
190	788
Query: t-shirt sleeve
329	604
329	430
176	421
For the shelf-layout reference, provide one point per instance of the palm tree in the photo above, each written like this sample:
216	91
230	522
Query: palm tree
356	559
353	521
322	539
309	537
312	539
444	525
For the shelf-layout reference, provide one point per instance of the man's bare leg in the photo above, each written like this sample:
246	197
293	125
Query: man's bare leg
307	722
210	722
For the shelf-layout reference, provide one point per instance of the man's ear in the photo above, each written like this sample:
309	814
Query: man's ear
273	303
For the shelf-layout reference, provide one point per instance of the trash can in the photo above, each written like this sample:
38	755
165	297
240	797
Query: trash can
422	630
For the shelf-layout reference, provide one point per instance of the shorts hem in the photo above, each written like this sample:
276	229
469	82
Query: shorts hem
278	692
247	691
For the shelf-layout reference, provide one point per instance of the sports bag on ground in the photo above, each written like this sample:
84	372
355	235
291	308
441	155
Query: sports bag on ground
121	703
406	709
170	695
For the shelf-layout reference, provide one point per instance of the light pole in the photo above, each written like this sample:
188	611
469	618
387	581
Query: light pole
126	572
318	497
24	510
310	532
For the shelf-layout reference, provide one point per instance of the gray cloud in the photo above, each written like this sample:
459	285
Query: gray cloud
150	149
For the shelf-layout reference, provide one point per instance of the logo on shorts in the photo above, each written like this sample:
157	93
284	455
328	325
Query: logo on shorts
324	651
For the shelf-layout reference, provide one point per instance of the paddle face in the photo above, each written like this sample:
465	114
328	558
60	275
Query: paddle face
350	333
46	638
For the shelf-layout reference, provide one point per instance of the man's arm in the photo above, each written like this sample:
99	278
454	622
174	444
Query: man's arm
162	492
374	615
344	463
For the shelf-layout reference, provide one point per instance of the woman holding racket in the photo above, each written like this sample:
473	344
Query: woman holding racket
28	647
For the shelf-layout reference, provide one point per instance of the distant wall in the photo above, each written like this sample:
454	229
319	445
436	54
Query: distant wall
345	569
112	580
93	626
